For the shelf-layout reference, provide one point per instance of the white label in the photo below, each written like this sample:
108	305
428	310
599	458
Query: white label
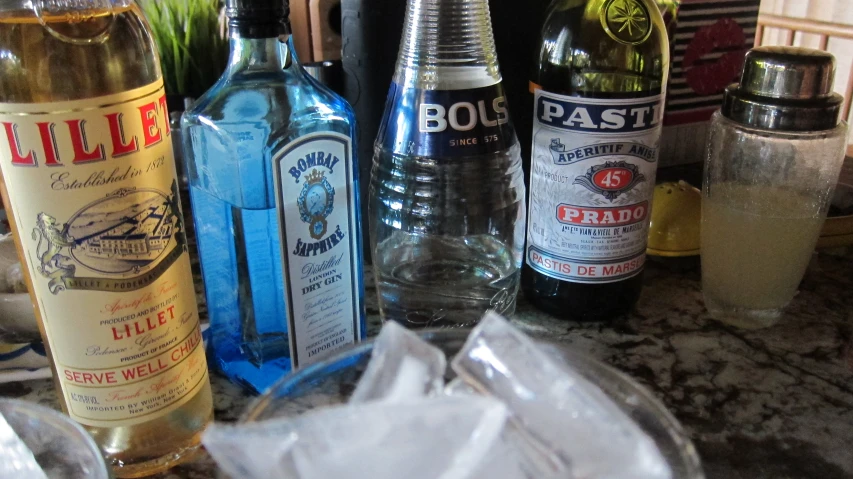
592	178
92	189
319	236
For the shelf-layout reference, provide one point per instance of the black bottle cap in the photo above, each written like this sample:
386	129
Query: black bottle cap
258	18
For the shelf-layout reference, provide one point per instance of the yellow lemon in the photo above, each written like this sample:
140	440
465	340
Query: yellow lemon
676	214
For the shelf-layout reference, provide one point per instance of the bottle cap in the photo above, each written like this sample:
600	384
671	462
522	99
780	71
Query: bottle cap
258	18
785	88
788	72
266	9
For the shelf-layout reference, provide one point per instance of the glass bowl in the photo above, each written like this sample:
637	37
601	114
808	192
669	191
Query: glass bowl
333	380
62	448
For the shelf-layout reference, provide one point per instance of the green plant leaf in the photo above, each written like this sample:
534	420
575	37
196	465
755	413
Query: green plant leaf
191	40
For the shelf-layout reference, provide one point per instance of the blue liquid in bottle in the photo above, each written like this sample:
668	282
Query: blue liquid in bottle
234	137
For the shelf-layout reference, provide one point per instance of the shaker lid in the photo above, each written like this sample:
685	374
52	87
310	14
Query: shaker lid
788	72
785	88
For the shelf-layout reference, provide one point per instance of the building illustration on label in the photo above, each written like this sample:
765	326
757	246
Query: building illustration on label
122	234
316	202
611	179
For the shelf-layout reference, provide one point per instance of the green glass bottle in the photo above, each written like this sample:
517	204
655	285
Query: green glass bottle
598	106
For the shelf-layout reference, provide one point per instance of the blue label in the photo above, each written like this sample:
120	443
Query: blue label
446	123
585	116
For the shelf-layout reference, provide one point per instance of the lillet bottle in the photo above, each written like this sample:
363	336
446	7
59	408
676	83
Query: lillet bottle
90	186
598	103
447	190
274	191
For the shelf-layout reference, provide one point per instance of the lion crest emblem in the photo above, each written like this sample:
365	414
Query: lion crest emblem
51	240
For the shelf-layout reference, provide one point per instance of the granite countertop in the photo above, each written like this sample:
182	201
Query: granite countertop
774	404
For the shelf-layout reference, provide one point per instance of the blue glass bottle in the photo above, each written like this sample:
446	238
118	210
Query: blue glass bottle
270	160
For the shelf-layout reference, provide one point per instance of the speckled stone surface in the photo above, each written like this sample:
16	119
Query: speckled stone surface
769	404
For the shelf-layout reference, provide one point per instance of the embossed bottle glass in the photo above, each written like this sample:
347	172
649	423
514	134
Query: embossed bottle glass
447	190
90	184
274	191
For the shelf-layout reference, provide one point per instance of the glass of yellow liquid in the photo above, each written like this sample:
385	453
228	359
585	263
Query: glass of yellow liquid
774	154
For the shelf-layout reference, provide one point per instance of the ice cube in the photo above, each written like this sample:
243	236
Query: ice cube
252	450
532	457
458	387
402	365
557	411
418	438
16	459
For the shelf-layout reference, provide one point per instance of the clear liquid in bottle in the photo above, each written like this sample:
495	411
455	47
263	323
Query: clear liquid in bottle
447	192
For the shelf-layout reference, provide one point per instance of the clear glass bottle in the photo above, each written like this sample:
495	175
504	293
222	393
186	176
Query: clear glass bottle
599	92
90	182
274	188
447	190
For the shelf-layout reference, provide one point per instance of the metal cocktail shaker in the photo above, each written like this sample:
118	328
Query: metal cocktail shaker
774	154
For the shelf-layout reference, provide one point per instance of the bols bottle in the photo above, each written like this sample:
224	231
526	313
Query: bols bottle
447	191
274	189
598	104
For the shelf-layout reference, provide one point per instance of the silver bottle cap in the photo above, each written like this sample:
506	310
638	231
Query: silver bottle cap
785	88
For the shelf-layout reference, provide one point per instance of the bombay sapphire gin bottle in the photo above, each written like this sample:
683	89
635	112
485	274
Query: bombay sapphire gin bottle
447	191
275	202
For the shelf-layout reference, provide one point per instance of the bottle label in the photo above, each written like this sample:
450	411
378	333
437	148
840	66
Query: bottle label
448	123
592	179
93	193
317	205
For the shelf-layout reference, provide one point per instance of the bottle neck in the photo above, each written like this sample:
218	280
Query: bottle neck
261	54
447	45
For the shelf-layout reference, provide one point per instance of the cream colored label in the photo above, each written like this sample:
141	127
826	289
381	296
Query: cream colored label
92	187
